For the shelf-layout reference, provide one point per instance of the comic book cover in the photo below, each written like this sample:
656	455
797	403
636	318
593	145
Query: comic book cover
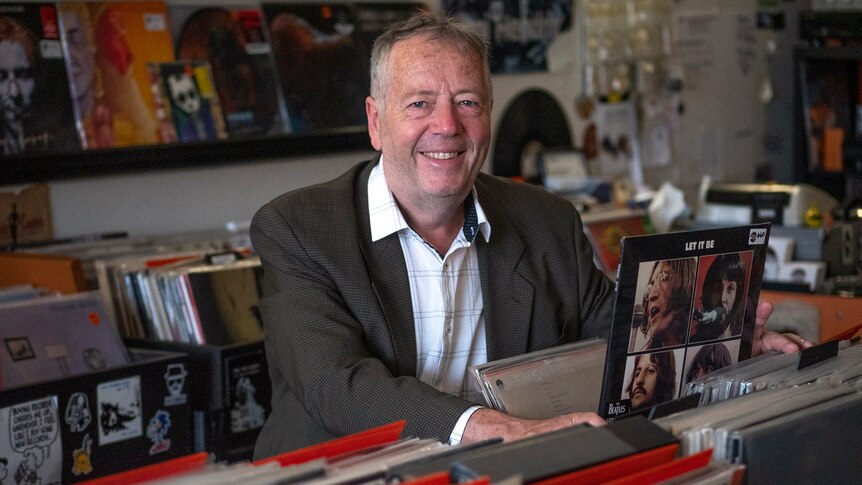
684	307
186	88
233	38
38	114
107	47
321	64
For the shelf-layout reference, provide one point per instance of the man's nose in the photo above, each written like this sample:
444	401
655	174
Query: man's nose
14	88
445	119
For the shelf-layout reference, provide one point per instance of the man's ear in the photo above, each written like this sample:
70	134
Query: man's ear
371	111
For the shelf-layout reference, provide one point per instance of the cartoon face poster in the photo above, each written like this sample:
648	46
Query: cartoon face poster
31	451
119	410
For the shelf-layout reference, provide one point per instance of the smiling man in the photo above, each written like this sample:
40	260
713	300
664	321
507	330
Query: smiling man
386	284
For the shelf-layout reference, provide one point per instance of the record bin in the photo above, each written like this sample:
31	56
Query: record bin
92	425
233	395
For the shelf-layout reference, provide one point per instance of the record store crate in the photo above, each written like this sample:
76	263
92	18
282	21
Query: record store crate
96	424
233	395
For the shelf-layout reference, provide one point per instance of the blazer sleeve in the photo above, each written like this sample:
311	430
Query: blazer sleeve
328	338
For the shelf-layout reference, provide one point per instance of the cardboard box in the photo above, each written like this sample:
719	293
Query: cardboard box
25	215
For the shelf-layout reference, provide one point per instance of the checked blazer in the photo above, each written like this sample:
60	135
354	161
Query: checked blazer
338	319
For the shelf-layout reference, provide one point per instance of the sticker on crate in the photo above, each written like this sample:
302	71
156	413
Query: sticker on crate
175	381
81	464
245	375
157	432
78	415
31	449
119	410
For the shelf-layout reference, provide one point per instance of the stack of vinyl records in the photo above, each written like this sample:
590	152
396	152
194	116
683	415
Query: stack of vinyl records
185	297
780	411
546	383
768	371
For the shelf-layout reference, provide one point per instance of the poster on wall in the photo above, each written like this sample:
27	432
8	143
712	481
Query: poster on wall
520	32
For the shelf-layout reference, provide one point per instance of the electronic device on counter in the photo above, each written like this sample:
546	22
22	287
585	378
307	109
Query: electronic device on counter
741	203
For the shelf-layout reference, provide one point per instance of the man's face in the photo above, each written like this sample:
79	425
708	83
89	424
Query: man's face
728	294
80	54
643	383
16	80
657	299
434	125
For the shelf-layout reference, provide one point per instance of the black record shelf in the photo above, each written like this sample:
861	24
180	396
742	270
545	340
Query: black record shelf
48	166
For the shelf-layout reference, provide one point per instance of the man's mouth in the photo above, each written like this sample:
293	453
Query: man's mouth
638	391
440	155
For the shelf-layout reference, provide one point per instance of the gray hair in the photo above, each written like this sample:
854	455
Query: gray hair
433	26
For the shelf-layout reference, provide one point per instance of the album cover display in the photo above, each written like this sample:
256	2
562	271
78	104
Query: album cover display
38	114
186	87
372	19
515	47
234	40
685	304
56	336
107	47
321	64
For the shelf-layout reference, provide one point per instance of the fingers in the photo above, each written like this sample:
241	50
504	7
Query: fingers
762	313
592	419
785	343
799	341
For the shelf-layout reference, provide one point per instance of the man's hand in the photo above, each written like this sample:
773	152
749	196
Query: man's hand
486	424
767	340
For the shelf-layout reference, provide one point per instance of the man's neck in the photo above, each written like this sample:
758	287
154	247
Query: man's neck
438	222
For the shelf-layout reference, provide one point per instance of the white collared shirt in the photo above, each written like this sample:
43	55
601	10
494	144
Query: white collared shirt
446	293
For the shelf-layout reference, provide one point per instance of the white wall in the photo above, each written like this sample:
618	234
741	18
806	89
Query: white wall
184	200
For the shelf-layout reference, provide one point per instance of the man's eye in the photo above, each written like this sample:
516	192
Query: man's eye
418	104
469	103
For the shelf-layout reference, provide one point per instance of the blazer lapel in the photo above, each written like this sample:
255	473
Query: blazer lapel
385	262
506	294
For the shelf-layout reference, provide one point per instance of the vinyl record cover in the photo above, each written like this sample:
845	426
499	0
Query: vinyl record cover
187	89
321	64
684	307
233	38
372	19
55	337
38	114
520	32
108	46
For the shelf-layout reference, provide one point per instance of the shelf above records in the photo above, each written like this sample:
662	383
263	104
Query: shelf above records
43	167
136	85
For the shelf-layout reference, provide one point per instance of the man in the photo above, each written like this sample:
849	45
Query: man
653	380
386	284
17	52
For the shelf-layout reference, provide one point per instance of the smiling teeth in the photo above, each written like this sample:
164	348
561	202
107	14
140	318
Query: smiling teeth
441	155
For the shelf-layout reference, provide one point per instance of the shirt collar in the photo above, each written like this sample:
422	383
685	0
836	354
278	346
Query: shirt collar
386	218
